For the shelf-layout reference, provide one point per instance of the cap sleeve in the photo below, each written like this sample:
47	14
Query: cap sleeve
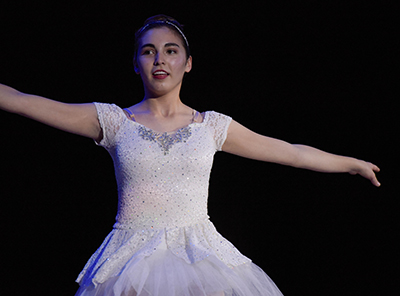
219	124
110	118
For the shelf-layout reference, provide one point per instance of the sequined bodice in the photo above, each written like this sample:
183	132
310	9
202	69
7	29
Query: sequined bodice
162	177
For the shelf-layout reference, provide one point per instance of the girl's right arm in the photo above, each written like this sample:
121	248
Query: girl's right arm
80	119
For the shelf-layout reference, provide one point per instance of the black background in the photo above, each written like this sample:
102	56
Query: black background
318	73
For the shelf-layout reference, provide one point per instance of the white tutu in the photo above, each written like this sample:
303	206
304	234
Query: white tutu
164	274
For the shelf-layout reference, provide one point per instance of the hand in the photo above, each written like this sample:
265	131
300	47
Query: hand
367	170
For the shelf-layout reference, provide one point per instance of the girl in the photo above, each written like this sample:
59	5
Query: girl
163	242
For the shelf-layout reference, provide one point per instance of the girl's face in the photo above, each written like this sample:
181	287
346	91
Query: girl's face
161	61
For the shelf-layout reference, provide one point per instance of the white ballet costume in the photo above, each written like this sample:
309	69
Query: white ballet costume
163	243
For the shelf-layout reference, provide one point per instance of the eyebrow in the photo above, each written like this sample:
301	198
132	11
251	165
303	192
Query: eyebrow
166	45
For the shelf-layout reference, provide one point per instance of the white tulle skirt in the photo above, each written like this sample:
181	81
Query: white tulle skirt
164	274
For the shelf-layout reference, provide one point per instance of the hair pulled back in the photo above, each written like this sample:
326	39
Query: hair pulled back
158	21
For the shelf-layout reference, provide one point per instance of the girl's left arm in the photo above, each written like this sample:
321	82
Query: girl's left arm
244	142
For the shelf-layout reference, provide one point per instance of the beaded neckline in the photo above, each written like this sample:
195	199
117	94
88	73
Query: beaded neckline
205	118
166	140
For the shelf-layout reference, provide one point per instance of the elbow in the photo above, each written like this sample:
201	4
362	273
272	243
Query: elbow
12	101
296	158
21	101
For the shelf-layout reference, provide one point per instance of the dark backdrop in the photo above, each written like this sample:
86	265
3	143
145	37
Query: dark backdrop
311	73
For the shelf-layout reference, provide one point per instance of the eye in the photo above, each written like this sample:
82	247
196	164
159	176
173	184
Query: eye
171	51
148	51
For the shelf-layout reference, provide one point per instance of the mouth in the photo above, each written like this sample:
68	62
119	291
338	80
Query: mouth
160	74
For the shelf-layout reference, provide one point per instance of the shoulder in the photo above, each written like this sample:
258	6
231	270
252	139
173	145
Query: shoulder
109	114
109	110
111	117
218	125
213	117
107	107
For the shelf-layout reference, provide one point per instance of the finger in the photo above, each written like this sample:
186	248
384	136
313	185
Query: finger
375	181
374	167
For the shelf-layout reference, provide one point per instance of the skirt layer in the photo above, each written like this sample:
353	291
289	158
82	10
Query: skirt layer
165	274
191	243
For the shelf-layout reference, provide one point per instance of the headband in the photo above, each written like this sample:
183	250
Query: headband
168	23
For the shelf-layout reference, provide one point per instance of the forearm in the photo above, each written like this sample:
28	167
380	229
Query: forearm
32	106
320	161
35	107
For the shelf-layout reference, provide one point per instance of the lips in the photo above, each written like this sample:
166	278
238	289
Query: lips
160	74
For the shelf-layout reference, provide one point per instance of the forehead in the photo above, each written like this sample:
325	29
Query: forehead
160	35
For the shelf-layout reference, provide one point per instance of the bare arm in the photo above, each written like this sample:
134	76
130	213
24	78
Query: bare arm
243	142
79	119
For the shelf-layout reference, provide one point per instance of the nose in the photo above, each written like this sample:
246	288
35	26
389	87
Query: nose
158	59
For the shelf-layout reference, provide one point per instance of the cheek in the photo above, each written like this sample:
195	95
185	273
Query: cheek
142	66
179	64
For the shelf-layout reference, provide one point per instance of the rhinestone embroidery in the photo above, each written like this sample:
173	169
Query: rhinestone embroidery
165	140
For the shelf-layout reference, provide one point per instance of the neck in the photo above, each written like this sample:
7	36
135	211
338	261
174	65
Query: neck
163	104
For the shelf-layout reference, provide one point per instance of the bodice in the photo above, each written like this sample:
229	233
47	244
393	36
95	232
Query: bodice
162	178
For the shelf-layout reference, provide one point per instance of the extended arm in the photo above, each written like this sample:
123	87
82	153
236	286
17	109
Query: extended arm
79	119
243	142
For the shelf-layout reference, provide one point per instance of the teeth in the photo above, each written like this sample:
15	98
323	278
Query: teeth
159	73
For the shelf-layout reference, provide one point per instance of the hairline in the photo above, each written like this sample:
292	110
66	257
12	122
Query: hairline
169	27
165	45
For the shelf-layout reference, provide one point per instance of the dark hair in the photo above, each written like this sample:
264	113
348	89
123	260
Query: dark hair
157	21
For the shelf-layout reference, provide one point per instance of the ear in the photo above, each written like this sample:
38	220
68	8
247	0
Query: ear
188	64
137	71
135	66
